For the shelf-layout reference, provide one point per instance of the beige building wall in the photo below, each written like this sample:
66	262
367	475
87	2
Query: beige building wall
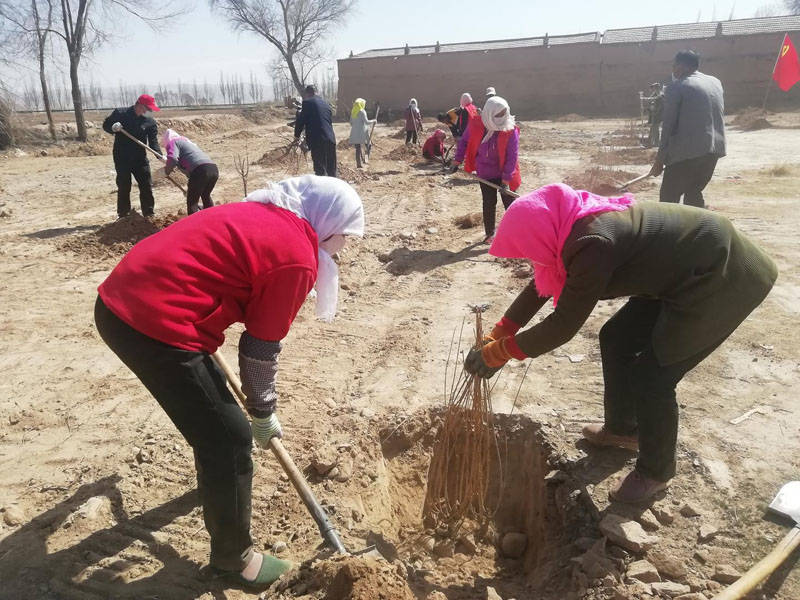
584	78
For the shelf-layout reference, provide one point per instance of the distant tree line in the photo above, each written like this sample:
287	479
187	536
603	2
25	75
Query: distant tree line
231	89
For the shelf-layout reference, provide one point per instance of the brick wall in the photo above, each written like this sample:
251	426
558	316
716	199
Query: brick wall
590	79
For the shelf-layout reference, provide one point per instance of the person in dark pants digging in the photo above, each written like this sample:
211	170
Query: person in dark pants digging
203	173
692	279
317	119
692	132
490	147
164	310
129	157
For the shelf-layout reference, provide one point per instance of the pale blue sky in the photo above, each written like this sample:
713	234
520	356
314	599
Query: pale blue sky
201	44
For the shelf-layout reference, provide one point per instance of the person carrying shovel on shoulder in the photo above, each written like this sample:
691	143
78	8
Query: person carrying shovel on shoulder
164	309
203	173
129	157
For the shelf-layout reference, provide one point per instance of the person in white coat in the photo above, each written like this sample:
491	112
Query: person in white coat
359	129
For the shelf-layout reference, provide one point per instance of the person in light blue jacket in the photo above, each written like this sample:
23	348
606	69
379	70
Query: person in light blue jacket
359	129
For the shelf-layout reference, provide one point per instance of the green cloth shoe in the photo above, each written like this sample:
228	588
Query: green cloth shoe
271	570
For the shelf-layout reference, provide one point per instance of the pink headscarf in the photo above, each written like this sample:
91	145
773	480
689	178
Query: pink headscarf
537	225
440	134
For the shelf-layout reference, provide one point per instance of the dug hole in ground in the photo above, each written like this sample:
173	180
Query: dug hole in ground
97	492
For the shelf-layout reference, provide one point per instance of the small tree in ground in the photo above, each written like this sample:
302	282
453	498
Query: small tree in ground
293	27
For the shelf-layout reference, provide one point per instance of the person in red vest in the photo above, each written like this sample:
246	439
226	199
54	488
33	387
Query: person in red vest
490	148
164	310
433	147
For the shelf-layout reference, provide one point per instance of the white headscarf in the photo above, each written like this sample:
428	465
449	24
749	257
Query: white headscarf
466	99
331	206
491	121
168	136
413	102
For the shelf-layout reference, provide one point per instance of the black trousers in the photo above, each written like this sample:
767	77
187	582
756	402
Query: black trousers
411	136
639	392
191	389
140	172
490	204
323	155
201	183
359	156
687	178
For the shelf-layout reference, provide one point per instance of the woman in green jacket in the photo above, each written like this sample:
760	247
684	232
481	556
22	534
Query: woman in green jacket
692	278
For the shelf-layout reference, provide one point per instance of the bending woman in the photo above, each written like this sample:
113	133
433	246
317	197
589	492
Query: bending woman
692	278
164	310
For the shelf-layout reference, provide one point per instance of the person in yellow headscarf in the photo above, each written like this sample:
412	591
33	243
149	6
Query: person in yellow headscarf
359	129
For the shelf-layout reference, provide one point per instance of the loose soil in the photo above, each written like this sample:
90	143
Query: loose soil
97	488
751	119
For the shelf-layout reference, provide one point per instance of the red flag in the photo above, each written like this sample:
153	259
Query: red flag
787	68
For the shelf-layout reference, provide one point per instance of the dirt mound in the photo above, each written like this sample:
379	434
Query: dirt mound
343	144
399	134
160	178
351	175
244	134
569	118
345	578
605	182
751	119
264	113
469	220
288	157
115	239
208	123
625	156
98	147
404	153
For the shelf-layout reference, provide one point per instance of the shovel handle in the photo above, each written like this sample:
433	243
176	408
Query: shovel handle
326	528
494	185
763	568
632	181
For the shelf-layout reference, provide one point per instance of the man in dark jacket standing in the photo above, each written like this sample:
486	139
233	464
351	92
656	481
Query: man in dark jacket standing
692	134
316	118
129	157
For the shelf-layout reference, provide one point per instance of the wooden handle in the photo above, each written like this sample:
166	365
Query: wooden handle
495	186
763	568
634	180
326	528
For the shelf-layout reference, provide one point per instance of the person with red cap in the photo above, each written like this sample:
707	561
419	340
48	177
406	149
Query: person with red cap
129	157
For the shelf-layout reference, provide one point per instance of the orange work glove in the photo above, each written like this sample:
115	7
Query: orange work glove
505	327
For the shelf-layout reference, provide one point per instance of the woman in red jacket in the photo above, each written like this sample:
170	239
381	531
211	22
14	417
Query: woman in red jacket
165	307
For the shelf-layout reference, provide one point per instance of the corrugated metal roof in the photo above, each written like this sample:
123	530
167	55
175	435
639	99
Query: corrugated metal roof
680	31
578	38
765	25
622	36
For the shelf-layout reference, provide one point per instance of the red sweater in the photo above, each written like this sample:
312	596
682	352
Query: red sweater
244	262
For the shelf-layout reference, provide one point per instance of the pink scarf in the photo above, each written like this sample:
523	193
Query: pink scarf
536	226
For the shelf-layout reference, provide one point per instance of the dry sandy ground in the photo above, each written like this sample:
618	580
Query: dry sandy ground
77	425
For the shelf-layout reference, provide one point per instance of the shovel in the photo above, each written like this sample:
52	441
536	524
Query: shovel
326	528
625	185
159	156
371	131
785	504
494	185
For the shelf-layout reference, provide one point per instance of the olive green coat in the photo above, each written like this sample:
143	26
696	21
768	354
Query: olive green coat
708	275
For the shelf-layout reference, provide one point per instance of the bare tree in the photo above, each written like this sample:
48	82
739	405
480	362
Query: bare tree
32	23
293	27
86	25
793	6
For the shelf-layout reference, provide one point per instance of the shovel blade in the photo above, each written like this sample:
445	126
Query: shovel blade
787	501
